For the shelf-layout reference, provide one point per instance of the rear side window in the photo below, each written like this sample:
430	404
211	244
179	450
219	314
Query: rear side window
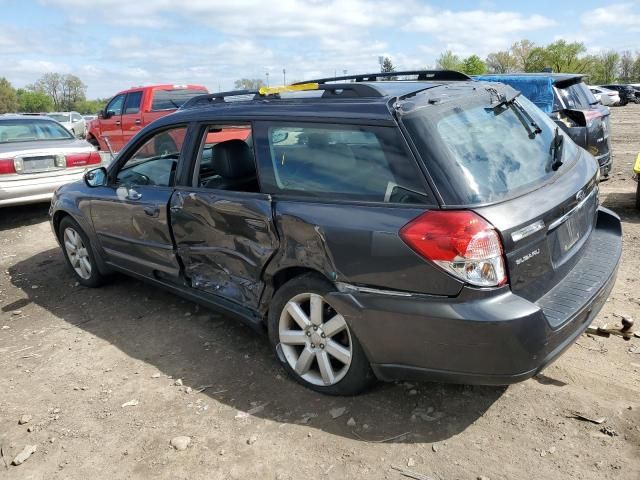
132	104
577	96
340	162
172	99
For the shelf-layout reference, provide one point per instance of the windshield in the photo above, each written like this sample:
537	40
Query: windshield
59	117
31	130
485	153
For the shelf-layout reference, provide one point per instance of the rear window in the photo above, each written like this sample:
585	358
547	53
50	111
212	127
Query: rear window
29	130
172	99
341	162
576	96
478	154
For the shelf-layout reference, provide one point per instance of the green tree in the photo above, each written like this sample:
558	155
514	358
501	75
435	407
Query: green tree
563	56
8	97
449	61
626	67
473	65
33	102
526	55
248	84
89	106
609	63
64	90
387	66
501	62
636	69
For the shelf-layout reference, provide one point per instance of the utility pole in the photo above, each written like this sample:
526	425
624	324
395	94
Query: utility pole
284	76
267	75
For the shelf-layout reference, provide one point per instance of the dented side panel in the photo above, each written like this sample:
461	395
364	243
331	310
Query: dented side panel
355	244
224	240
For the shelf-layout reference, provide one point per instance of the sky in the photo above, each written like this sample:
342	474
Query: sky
114	44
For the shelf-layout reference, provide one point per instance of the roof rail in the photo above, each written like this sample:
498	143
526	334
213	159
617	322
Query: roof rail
216	97
422	75
347	90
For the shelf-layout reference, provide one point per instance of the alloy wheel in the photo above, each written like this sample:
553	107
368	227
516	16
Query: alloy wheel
77	253
315	339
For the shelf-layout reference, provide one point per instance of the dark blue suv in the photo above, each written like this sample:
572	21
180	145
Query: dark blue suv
436	228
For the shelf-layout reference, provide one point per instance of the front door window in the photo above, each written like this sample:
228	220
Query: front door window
155	162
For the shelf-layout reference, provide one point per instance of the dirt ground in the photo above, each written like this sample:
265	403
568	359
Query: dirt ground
72	357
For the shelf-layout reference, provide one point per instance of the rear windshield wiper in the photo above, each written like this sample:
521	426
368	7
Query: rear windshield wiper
556	149
528	122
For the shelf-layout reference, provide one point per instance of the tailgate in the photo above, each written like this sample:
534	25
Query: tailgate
545	231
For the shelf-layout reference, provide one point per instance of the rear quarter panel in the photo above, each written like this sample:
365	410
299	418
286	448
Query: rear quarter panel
355	244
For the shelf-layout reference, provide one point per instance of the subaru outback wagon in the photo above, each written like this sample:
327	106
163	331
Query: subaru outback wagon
441	228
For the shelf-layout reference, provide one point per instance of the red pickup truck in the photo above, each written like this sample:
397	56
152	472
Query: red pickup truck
131	110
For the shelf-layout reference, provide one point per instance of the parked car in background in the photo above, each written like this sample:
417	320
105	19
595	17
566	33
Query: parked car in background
605	96
37	155
72	121
636	90
626	92
441	229
131	110
569	102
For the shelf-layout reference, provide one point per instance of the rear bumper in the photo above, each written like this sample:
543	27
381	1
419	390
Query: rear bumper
483	337
34	190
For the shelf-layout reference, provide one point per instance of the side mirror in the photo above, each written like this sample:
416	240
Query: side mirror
96	177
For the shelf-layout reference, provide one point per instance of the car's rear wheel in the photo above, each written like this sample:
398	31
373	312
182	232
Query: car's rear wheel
313	341
78	253
638	194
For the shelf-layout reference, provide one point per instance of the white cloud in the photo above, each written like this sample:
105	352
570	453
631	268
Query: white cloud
282	18
475	31
619	15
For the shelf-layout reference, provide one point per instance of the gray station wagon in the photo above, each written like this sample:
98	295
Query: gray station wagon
436	228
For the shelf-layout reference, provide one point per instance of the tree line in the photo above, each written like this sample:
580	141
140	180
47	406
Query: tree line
560	56
53	92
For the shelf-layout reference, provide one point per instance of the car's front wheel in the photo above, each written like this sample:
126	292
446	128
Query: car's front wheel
78	253
313	341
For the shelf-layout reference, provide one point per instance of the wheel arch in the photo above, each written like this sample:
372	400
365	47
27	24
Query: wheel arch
278	278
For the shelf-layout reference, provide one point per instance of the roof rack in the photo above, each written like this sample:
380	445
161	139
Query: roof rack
347	90
422	75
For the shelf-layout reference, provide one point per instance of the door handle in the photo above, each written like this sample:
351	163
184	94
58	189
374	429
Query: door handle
117	123
138	122
133	195
152	211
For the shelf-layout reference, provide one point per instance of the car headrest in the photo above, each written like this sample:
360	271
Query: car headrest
233	159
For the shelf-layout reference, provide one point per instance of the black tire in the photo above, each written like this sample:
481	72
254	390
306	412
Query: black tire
638	194
95	278
358	376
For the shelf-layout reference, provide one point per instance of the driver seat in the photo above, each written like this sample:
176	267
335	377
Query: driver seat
233	163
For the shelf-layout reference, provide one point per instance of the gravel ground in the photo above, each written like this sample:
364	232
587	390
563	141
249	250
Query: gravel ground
106	378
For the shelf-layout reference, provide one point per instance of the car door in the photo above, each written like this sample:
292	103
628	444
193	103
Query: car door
130	215
111	123
222	223
131	116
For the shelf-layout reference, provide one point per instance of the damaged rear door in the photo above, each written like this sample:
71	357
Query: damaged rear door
223	225
224	240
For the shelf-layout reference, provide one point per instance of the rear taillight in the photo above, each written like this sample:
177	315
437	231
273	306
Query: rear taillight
7	166
461	242
591	115
82	159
